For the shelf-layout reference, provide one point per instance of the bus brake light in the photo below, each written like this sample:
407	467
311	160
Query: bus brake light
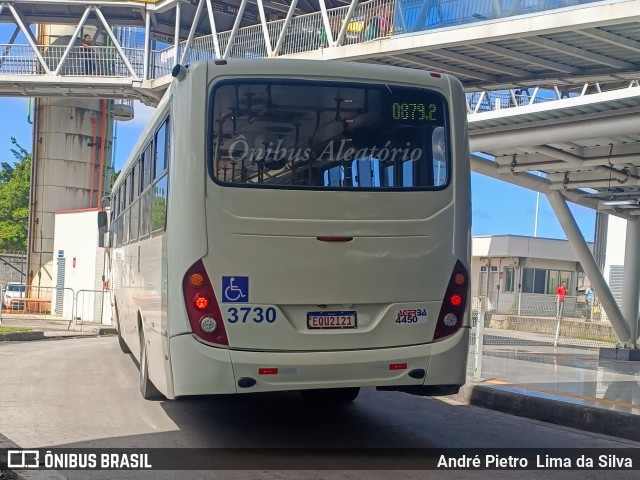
455	300
201	302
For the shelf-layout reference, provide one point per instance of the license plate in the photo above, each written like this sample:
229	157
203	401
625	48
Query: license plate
331	320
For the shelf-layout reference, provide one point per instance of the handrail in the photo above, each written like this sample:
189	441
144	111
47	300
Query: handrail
372	20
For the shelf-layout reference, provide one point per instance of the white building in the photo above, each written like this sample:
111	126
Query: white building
78	268
614	259
504	266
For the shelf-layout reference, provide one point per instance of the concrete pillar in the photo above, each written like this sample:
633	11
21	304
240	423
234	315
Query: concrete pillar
571	230
67	150
631	285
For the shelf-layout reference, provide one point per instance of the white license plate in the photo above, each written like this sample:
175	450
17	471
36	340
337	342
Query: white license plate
331	320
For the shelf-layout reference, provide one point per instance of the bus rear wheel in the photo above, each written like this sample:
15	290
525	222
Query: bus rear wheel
147	388
331	395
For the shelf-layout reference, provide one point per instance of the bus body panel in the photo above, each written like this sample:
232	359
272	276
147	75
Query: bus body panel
400	256
186	216
448	359
378	277
137	274
461	241
200	369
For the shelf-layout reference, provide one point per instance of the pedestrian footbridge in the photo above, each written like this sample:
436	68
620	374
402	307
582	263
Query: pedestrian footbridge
532	69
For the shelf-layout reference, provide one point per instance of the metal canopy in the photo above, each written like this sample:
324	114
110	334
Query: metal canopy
588	148
593	42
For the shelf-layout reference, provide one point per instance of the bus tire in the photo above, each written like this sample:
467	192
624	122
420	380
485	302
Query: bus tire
332	395
147	388
123	345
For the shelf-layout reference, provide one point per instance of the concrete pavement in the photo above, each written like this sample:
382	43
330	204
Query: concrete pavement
567	386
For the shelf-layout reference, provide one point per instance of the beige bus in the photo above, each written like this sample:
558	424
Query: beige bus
296	225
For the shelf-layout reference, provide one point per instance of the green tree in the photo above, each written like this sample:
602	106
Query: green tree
14	200
114	177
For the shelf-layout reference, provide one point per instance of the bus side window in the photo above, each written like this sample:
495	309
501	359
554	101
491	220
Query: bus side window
145	181
334	176
439	149
159	205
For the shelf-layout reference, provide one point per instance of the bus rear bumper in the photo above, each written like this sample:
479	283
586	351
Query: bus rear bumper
200	369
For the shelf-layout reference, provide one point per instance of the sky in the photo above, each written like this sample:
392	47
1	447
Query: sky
497	207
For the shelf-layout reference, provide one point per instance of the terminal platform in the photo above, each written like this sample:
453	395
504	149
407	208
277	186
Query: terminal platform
568	386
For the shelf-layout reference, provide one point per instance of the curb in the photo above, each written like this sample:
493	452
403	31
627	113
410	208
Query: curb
5	443
39	335
581	417
21	336
106	331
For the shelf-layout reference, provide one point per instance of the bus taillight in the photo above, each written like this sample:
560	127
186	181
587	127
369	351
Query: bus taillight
196	280
455	300
201	302
454	304
203	310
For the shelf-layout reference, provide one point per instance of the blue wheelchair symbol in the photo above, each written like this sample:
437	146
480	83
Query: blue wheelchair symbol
235	289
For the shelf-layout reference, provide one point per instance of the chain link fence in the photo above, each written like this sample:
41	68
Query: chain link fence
536	320
13	267
541	319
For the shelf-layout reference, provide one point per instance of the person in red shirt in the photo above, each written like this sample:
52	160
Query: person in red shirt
561	292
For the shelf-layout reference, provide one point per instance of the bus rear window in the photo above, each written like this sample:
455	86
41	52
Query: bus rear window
328	135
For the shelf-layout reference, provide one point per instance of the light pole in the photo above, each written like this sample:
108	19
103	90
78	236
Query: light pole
535	222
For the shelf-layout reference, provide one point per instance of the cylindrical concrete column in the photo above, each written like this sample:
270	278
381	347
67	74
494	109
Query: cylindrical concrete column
68	145
631	285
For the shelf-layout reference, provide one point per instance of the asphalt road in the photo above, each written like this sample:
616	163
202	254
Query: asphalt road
84	393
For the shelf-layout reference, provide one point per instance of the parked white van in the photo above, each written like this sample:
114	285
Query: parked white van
13	290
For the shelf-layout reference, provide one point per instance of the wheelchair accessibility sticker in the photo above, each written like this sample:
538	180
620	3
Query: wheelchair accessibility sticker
235	289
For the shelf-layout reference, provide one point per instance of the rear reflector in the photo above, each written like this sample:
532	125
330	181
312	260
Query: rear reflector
398	366
267	371
453	307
